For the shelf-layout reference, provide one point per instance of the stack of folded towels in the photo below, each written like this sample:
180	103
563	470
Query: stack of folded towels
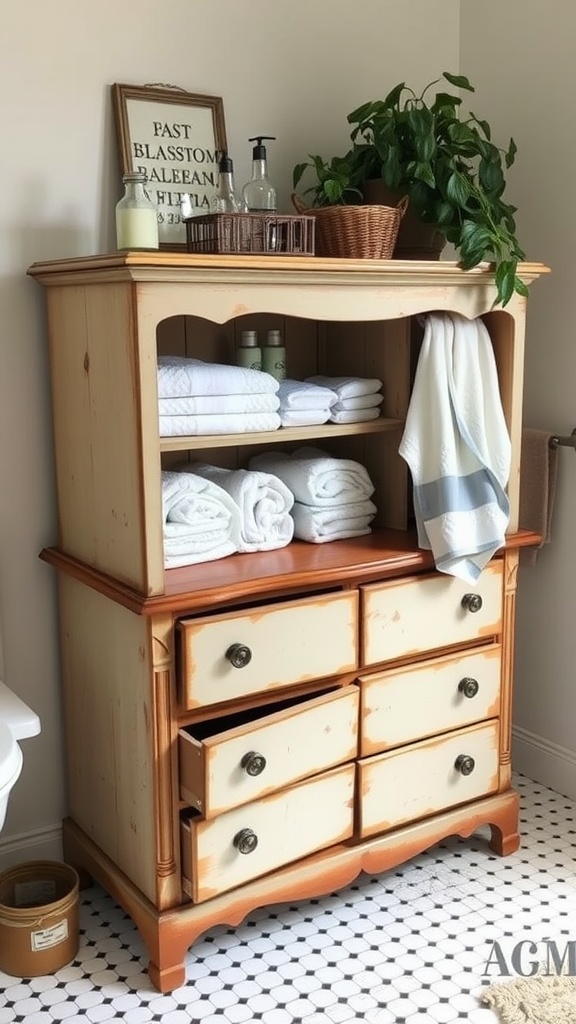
332	496
211	512
303	403
195	397
357	398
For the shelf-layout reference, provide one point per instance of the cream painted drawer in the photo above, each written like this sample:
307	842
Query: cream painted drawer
274	831
405	617
405	704
232	761
236	654
424	778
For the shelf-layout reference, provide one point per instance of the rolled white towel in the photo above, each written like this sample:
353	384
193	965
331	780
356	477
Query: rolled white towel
264	503
320	525
201	521
316	478
179	376
194	405
303	417
300	394
353	415
225	423
347	387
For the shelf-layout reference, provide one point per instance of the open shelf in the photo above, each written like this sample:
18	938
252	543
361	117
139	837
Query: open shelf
326	430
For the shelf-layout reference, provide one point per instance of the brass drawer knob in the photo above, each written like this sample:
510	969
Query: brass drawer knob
468	686
253	763
464	764
472	602
245	840
239	655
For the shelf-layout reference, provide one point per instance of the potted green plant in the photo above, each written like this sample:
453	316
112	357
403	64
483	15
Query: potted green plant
447	164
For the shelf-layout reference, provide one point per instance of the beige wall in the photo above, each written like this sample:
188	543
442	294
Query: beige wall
521	56
293	69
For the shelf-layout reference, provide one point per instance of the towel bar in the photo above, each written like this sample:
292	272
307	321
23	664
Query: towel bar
568	442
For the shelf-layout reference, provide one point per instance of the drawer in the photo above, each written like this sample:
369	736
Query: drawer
232	761
402	618
425	778
224	657
403	705
250	841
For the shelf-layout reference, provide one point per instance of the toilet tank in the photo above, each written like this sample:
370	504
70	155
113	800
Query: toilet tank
21	720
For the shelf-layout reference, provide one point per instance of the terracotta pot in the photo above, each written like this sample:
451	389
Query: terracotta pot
416	240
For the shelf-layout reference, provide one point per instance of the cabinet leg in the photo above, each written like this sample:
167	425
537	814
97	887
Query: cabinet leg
166	979
504	836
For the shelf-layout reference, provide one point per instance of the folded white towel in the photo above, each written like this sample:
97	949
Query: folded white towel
316	478
320	525
360	402
299	394
303	417
347	387
264	503
201	522
225	423
194	405
457	446
353	415
179	376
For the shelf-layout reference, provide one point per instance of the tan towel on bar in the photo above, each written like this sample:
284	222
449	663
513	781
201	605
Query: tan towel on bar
538	469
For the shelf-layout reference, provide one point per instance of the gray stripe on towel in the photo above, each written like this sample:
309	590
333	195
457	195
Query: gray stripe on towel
458	494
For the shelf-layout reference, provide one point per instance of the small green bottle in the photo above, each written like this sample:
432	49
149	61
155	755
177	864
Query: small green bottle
248	352
274	355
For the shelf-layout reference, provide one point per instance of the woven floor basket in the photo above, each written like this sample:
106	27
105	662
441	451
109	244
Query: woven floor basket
356	232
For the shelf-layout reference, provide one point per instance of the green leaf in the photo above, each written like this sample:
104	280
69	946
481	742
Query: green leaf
423	172
511	153
458	188
460	81
482	124
297	174
505	279
521	287
490	176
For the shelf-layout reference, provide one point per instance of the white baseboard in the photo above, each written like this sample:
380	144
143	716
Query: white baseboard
544	762
40	844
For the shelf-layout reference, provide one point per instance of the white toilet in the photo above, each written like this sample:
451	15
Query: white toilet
17	722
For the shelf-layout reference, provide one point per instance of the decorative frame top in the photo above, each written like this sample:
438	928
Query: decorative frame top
176	137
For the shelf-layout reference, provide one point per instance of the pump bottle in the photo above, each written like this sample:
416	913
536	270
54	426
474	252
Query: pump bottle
225	200
259	193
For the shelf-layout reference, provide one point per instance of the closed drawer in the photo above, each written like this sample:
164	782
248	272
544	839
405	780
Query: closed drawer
425	778
402	705
276	830
230	762
236	654
402	618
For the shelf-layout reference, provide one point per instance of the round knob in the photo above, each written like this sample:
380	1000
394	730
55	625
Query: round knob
253	763
245	840
464	764
472	602
468	686
239	655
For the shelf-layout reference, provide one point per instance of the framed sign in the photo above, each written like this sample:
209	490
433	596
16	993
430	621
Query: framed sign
176	138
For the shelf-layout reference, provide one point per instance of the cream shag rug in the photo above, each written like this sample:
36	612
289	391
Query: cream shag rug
543	999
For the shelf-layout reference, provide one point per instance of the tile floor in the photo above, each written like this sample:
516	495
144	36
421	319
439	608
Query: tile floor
411	944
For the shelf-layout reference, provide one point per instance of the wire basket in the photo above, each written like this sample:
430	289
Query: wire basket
251	233
356	232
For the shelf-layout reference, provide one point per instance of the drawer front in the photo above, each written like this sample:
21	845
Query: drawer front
237	765
288	825
402	618
273	646
403	705
423	779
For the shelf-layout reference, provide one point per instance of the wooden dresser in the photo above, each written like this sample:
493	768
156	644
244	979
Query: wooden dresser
264	727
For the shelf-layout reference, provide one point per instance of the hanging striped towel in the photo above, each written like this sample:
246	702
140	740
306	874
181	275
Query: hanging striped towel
457	446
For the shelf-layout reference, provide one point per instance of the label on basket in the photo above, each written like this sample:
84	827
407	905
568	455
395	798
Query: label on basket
34	894
49	936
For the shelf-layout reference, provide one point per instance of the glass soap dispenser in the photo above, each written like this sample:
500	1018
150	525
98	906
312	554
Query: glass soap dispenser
226	200
136	215
259	193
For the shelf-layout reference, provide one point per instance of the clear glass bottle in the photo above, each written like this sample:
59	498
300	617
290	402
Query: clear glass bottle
136	215
259	193
225	200
248	352
274	355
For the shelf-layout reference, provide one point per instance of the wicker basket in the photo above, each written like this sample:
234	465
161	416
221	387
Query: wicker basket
356	232
251	233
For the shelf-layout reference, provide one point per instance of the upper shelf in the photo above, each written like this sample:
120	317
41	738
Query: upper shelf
325	430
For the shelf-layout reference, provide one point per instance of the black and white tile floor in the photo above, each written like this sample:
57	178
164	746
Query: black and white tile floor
416	943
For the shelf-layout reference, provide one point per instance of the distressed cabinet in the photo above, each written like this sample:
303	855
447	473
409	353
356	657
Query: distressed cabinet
374	716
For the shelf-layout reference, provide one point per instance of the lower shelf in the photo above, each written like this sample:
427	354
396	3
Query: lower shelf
169	934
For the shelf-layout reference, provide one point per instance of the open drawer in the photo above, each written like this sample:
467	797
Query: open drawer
233	760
